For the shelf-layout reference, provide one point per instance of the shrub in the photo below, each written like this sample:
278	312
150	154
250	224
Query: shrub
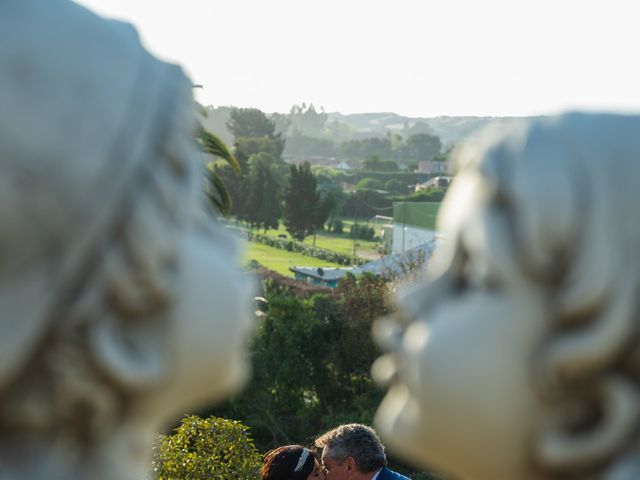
206	448
336	226
369	184
362	232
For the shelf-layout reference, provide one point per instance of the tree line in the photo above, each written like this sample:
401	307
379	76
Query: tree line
309	133
267	189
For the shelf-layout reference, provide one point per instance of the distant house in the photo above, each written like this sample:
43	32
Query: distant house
389	266
430	166
440	181
327	277
343	165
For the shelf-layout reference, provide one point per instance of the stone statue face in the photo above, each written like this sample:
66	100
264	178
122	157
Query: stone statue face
122	304
517	358
211	321
469	345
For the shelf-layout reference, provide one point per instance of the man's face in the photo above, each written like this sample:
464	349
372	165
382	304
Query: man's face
333	469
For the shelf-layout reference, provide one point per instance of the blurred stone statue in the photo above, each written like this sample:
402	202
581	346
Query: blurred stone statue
520	358
121	305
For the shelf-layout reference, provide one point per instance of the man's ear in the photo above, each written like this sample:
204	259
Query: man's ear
351	466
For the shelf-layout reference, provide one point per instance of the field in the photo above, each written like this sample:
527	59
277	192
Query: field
280	260
339	243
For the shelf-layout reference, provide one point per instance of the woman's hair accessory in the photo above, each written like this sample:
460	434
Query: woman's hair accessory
303	459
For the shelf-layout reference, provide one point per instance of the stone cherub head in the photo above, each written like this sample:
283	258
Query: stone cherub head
121	307
520	358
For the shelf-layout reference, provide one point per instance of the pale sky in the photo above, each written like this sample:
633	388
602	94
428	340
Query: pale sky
412	57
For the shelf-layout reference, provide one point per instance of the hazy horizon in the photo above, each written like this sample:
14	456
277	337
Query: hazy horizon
416	58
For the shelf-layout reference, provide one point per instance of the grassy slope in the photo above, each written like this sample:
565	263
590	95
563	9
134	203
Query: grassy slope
337	243
280	260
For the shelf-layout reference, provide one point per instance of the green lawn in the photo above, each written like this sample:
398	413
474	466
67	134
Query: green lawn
337	243
280	260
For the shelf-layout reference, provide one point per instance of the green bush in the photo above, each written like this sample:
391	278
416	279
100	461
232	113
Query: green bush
206	448
336	226
370	184
362	232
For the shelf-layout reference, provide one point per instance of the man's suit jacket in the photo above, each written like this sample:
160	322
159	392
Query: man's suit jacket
387	474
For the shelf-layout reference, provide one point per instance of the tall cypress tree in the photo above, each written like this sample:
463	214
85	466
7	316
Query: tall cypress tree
301	199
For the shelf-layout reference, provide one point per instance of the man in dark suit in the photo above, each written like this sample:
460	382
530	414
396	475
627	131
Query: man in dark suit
354	452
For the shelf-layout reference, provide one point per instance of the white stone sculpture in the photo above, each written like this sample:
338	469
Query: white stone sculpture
121	305
520	359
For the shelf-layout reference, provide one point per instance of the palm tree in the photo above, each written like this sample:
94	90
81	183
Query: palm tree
217	193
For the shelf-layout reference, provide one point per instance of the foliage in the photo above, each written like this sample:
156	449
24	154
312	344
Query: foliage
366	204
301	200
336	226
245	147
217	192
306	120
250	122
362	232
424	146
409	178
206	448
375	164
369	184
432	194
311	363
395	186
366	148
263	210
312	357
325	206
214	119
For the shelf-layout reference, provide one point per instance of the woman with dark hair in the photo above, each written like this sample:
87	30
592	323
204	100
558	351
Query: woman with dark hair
291	462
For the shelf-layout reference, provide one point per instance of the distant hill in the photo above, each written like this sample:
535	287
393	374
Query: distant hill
449	129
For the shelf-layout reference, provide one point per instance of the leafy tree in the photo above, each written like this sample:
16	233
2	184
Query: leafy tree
307	120
424	146
206	448
250	122
312	358
418	127
301	199
262	207
362	232
325	206
366	204
369	184
235	185
395	186
336	226
375	164
247	146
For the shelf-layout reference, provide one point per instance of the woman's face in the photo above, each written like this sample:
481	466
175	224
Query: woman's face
461	399
317	473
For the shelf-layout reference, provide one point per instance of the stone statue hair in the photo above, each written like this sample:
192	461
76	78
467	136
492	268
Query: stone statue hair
73	376
568	220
